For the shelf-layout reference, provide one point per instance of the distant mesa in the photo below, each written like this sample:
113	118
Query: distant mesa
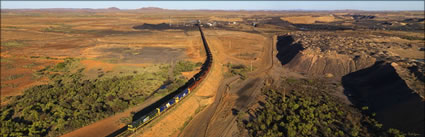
113	8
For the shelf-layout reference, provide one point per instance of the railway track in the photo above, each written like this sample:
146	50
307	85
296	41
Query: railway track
151	112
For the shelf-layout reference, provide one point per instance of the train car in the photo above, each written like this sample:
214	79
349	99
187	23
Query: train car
162	108
186	91
169	103
183	94
172	101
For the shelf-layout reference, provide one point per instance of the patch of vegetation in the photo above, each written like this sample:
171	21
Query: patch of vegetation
68	65
125	120
8	66
31	65
69	102
44	57
13	85
13	77
412	38
11	27
238	69
61	28
174	85
308	110
181	66
40	73
5	60
185	66
110	60
14	43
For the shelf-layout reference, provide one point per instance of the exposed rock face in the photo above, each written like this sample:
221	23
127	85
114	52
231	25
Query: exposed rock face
314	62
412	77
385	93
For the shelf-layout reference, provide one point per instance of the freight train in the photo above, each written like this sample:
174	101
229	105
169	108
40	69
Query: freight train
149	113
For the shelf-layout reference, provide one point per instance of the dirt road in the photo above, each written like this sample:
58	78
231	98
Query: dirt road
233	96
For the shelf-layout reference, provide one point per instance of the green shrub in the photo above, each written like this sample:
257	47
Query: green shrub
15	43
238	69
395	133
308	110
67	65
13	77
185	66
62	28
70	102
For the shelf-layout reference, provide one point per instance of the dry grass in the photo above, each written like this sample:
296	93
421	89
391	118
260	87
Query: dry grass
407	53
228	19
79	35
308	19
17	74
240	46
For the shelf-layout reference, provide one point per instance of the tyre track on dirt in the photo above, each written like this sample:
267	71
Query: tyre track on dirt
242	96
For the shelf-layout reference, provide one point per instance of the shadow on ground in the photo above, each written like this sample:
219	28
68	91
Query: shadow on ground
287	49
385	93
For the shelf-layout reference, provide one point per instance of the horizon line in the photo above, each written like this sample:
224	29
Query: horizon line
124	9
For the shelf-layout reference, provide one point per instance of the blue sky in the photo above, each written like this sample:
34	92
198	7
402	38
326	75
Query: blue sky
222	5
